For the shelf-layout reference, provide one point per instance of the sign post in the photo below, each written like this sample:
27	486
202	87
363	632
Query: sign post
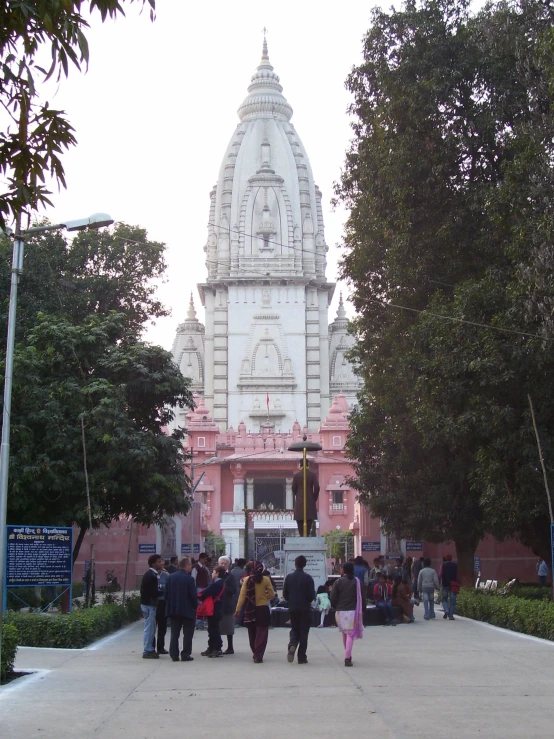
371	546
39	556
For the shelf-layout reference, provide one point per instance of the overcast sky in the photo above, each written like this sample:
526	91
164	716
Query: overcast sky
157	107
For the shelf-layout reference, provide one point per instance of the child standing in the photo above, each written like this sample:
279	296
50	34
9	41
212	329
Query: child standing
323	603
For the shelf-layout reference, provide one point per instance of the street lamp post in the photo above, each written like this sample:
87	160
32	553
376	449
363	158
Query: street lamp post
97	220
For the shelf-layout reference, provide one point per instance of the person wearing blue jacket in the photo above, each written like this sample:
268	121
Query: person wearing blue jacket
181	603
215	590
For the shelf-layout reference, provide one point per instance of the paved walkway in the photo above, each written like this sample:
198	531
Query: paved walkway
428	679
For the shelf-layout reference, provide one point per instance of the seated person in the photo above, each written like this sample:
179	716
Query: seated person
382	593
401	598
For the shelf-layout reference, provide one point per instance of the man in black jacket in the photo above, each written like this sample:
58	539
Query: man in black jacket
299	591
149	594
181	604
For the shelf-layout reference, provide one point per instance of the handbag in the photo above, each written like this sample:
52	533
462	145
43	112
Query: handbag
455	586
206	608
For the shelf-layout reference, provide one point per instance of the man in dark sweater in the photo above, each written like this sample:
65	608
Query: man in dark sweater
299	591
181	604
149	594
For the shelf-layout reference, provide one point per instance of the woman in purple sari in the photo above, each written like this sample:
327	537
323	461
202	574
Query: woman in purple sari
348	601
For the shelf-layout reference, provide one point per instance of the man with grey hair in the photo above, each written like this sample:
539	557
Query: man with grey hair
181	604
229	600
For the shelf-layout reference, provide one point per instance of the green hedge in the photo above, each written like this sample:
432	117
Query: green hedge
73	630
9	648
533	617
531	592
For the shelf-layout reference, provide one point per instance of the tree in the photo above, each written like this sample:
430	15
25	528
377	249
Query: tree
81	310
31	147
88	380
446	108
97	272
215	543
340	544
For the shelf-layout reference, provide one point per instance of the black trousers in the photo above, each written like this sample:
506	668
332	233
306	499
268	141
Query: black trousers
300	525
300	622
161	623
214	635
186	625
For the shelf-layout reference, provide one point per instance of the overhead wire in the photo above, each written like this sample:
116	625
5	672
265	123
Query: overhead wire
454	319
385	304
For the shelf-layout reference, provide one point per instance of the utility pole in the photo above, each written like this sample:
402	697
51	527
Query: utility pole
546	487
192	501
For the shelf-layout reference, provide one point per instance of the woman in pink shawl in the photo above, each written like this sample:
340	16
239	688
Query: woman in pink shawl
348	600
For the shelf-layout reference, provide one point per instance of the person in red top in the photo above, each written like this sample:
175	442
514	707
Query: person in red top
382	594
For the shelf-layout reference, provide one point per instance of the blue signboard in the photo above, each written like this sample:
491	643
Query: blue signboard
371	546
186	549
477	564
414	546
147	549
38	555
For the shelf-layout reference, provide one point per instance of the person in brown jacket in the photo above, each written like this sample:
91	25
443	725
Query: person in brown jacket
312	492
401	598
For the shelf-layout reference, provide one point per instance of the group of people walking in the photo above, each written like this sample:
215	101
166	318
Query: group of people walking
242	595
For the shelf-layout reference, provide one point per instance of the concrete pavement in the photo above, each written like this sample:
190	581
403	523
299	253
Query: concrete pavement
429	679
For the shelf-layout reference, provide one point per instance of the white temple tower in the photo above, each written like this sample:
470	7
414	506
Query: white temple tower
265	352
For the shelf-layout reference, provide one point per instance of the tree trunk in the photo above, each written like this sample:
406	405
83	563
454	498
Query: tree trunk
77	548
465	552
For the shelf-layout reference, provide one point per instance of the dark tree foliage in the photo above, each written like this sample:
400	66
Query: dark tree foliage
447	182
123	389
79	358
97	272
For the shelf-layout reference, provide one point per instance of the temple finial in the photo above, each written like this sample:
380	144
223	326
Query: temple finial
191	313
341	310
264	47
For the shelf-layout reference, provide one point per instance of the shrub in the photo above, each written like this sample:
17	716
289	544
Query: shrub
533	617
531	592
9	649
73	630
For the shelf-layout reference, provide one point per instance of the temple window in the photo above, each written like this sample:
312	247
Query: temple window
338	502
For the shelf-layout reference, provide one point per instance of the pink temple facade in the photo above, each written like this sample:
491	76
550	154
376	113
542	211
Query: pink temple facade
239	470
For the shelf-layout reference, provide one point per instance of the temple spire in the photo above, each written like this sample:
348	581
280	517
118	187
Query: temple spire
191	313
265	94
341	312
